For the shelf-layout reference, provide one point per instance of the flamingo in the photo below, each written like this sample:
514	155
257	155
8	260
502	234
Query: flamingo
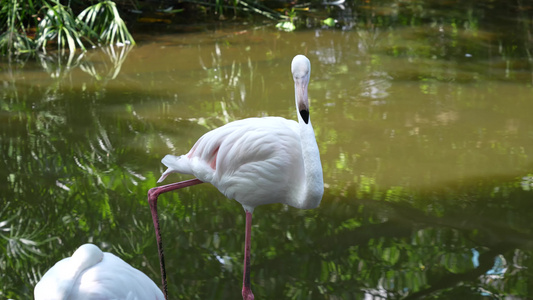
91	274
255	161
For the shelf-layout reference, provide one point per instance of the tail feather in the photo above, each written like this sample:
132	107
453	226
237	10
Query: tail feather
175	164
165	174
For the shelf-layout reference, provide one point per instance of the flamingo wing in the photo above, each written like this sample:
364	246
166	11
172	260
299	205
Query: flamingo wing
255	156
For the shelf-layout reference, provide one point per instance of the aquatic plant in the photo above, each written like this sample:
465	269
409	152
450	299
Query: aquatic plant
56	24
13	40
288	23
59	24
241	6
104	19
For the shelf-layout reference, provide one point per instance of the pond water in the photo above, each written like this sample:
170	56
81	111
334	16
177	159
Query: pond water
422	115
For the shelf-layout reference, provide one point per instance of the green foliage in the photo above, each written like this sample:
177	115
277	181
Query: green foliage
288	25
330	22
59	24
13	40
104	19
250	7
79	158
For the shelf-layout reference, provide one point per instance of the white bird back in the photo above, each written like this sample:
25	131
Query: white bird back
91	274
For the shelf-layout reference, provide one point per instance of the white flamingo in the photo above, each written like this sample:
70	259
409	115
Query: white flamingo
255	161
91	274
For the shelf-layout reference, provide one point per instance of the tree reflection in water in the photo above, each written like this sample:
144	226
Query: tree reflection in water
426	154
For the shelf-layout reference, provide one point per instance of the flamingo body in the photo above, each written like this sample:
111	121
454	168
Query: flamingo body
91	274
259	161
255	161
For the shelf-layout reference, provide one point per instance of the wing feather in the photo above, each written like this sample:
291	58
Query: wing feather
247	155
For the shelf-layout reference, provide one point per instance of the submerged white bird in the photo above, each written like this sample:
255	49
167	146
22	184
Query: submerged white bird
255	161
91	274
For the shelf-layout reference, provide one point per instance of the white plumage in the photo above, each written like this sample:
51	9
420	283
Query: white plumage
255	161
91	274
260	161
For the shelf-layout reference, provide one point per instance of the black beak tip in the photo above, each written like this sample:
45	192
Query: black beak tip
304	113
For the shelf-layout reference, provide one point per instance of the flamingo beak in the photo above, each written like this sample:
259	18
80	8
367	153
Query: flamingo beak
303	101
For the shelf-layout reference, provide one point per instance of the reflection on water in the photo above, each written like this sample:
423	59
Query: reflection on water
423	123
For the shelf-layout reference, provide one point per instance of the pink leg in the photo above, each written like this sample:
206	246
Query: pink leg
153	193
246	284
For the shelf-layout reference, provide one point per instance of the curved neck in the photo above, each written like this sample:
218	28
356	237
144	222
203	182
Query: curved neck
313	188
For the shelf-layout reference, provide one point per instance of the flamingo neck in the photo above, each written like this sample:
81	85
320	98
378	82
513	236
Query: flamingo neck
313	188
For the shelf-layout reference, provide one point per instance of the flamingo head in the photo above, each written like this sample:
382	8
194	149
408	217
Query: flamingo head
301	71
